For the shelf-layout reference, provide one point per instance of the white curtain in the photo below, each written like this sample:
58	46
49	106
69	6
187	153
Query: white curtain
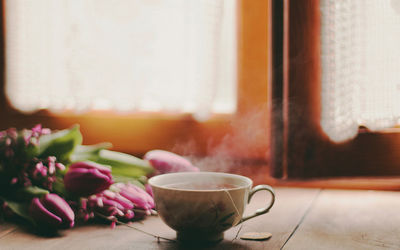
123	55
360	49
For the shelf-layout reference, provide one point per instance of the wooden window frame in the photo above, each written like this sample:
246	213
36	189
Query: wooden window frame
138	133
300	149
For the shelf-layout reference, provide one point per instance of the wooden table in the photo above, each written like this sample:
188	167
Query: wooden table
300	219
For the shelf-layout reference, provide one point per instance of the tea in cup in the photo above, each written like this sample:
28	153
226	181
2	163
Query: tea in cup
200	206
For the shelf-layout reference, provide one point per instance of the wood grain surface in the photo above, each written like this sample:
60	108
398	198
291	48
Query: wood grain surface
300	219
290	206
341	219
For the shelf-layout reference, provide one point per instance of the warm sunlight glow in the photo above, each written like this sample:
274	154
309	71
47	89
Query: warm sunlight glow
123	55
360	65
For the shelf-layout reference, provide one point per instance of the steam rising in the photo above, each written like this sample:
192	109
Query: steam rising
247	139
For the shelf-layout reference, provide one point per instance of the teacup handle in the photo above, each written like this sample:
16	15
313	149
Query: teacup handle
260	211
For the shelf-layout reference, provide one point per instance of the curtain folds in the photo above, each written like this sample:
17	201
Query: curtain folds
124	55
360	66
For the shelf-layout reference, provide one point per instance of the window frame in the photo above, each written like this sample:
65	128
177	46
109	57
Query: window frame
300	148
138	133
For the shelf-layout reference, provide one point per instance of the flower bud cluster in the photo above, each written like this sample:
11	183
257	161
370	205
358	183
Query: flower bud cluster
8	143
54	198
43	173
31	137
123	202
17	167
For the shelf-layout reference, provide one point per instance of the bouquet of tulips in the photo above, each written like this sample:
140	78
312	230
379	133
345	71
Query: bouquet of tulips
50	179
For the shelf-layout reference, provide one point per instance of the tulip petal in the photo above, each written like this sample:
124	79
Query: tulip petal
86	181
60	207
149	190
138	200
168	162
118	198
111	203
90	164
137	196
43	216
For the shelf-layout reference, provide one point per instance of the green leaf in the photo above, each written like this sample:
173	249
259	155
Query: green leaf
89	149
143	179
124	164
20	208
60	144
59	188
88	152
27	193
125	179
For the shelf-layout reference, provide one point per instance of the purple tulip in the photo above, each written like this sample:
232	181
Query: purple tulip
109	204
139	197
86	178
149	190
52	211
167	162
121	202
125	203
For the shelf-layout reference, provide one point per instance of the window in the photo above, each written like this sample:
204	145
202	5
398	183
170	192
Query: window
127	56
301	148
171	129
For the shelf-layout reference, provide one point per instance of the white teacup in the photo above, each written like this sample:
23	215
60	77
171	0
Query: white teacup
200	206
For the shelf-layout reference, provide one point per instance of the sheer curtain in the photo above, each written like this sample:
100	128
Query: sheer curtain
123	55
360	49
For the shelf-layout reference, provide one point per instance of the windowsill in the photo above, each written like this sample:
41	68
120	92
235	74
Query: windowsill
131	133
361	183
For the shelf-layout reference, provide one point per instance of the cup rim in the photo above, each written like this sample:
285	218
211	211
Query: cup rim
155	178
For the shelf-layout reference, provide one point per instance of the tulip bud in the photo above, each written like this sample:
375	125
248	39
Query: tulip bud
140	198
111	205
86	178
149	190
167	162
52	211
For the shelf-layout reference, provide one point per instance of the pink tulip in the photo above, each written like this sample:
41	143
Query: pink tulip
167	162
140	198
149	190
111	205
52	211
86	178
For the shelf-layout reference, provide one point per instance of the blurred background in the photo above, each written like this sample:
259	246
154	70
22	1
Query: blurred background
181	75
287	86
